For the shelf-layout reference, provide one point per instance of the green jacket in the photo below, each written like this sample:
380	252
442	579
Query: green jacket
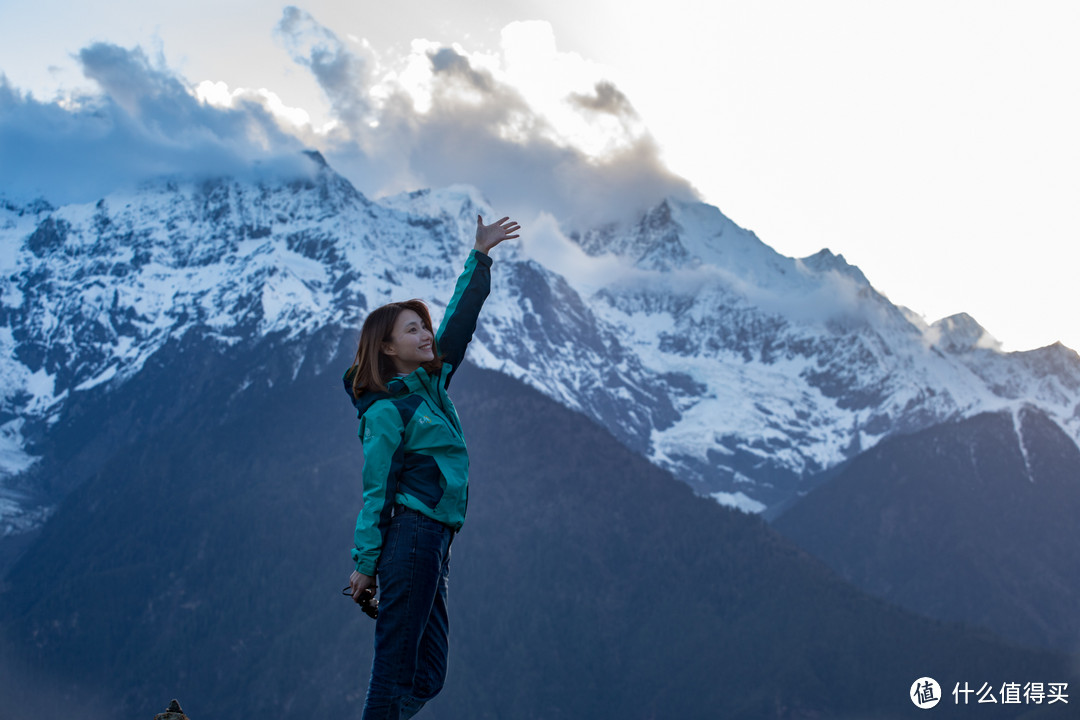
414	450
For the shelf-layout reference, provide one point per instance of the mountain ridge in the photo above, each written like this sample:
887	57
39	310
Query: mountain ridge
971	520
740	370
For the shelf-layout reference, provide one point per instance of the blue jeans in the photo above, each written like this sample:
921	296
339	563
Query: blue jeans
412	632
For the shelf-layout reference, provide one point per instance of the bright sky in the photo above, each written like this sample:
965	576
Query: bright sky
933	144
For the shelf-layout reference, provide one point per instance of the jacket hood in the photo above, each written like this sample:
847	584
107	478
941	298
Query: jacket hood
366	398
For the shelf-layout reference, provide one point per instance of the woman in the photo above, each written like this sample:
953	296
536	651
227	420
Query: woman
416	472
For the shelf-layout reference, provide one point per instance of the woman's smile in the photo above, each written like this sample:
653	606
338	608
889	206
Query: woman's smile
411	343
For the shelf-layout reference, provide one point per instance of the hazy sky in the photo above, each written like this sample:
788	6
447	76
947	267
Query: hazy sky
933	144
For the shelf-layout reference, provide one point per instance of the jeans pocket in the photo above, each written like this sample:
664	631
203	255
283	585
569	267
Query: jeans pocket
431	527
391	542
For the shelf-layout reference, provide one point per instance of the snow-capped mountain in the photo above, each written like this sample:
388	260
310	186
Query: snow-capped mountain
800	362
693	342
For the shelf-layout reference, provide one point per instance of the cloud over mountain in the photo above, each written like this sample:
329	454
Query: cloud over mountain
461	121
536	129
144	122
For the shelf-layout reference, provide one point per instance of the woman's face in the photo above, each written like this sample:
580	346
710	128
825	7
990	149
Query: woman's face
410	345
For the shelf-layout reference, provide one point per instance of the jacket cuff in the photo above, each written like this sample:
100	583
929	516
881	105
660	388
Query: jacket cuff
481	257
363	566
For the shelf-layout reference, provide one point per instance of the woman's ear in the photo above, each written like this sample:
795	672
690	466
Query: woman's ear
388	349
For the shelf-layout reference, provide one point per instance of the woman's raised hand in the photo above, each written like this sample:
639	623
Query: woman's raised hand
488	236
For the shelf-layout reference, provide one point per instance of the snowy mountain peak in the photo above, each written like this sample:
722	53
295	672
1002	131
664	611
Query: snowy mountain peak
317	158
679	235
825	260
458	203
961	333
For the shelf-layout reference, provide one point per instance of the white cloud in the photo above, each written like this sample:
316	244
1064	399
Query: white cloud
545	243
219	95
144	121
537	129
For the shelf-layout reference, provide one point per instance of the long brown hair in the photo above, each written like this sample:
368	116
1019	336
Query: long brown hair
374	368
